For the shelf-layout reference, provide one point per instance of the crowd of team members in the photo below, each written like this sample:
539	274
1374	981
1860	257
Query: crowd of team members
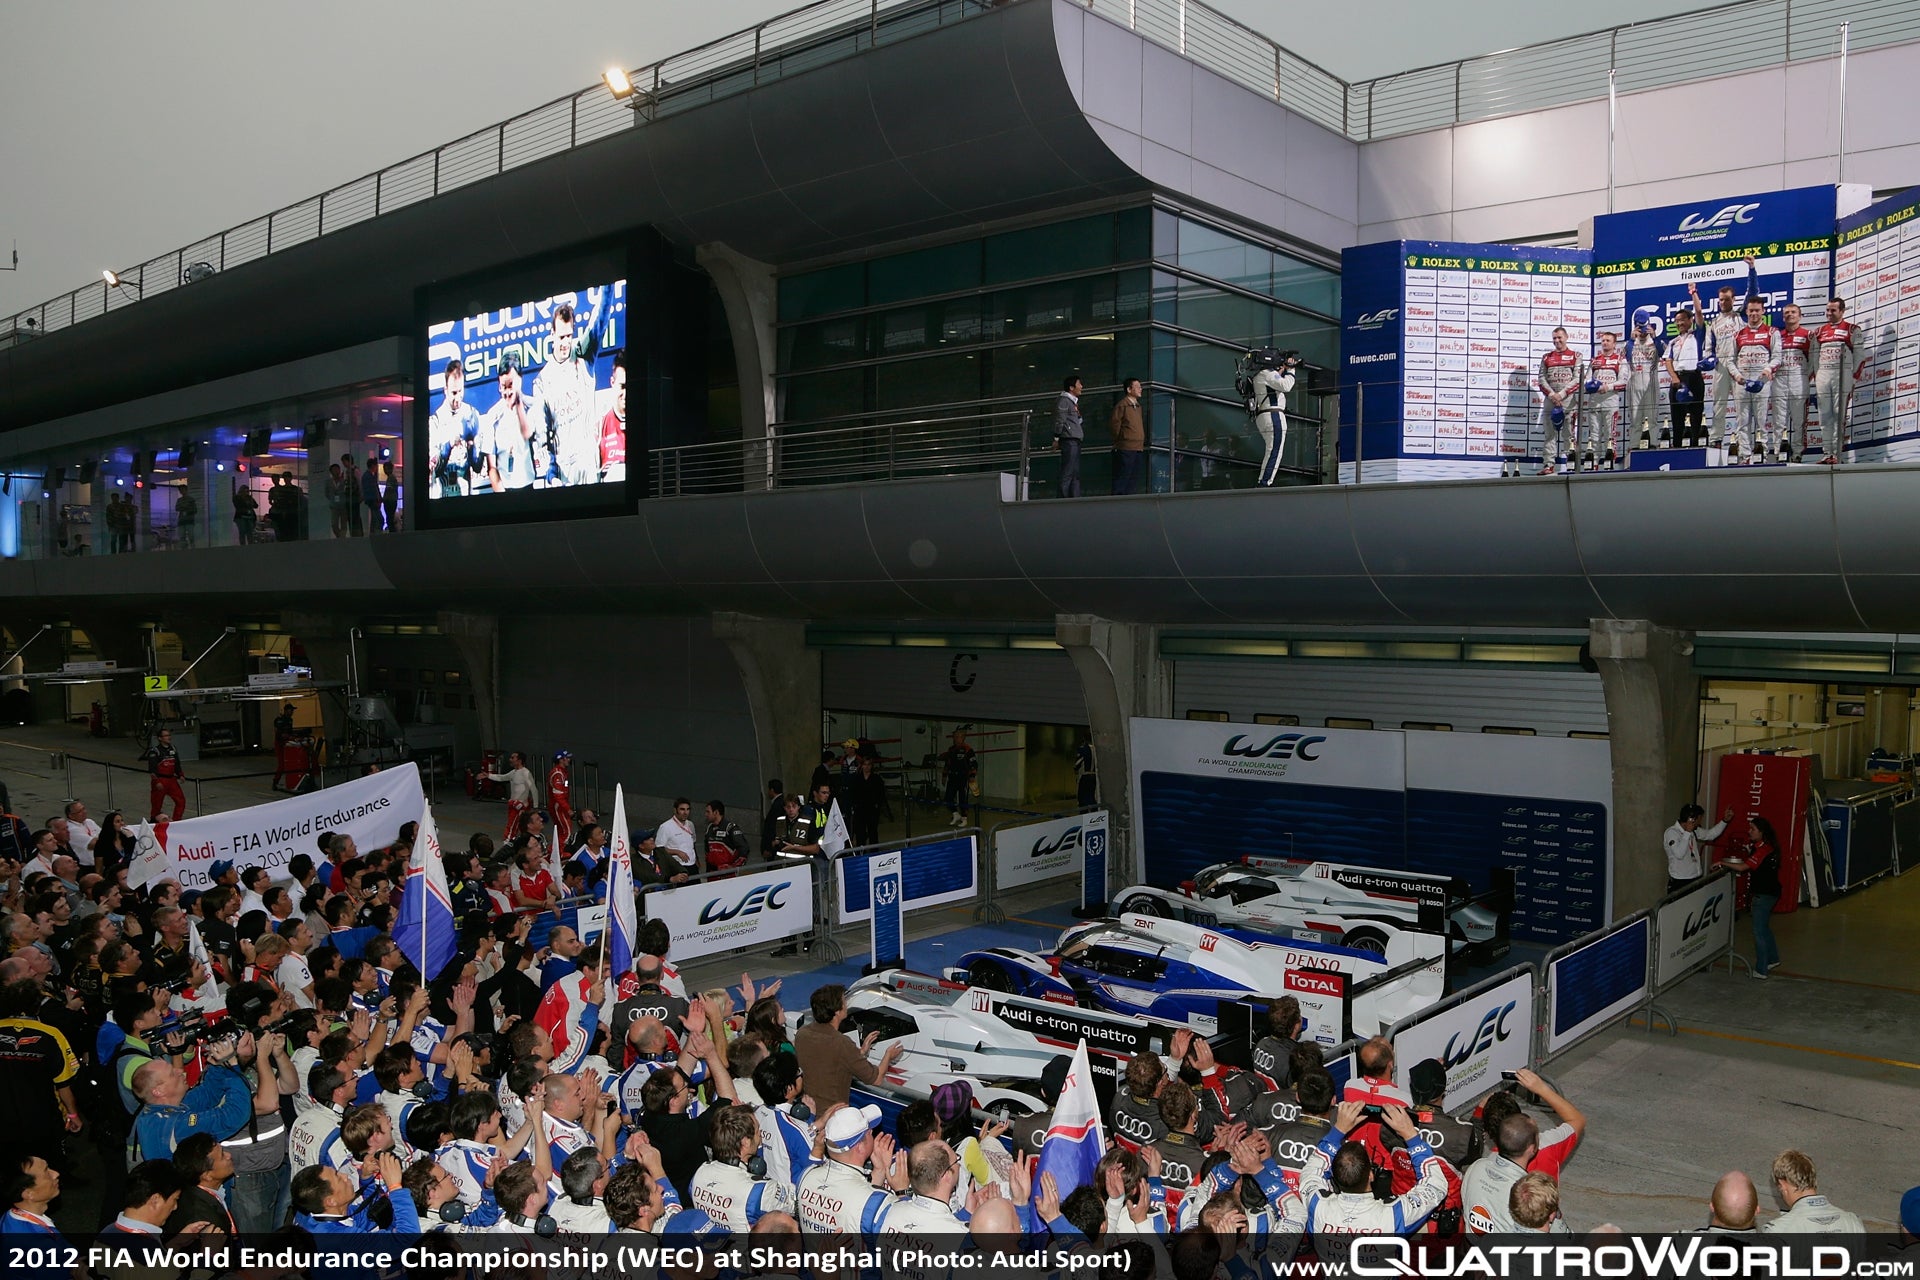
261	1057
1766	381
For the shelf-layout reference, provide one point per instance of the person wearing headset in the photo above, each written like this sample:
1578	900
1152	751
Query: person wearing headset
733	1188
324	1200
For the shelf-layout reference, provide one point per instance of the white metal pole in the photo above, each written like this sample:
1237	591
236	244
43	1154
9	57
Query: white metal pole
1613	121
1845	29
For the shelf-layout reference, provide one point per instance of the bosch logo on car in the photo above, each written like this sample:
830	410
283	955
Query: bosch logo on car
1727	217
1285	746
763	897
1068	841
1492	1030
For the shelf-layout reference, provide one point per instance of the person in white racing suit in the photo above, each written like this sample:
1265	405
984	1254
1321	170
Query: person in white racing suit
1337	1182
733	1188
1790	386
1756	358
1716	345
1644	410
1268	376
1835	357
1600	403
839	1198
1559	381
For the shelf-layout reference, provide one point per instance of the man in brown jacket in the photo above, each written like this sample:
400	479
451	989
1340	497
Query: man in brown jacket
829	1061
1129	439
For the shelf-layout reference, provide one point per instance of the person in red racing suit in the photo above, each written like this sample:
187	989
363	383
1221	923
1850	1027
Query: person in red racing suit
560	801
163	764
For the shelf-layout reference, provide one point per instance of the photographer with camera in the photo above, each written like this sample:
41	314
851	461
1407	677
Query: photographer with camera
220	1104
1266	379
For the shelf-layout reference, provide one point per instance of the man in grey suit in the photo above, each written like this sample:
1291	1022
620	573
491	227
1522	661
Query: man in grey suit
1068	433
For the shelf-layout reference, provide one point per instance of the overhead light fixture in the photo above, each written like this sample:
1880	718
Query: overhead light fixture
117	281
111	277
618	83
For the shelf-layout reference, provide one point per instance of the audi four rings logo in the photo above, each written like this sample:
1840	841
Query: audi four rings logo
1727	217
764	897
1068	841
1492	1030
1285	746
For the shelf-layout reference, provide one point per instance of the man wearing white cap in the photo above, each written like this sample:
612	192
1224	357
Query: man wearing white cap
840	1197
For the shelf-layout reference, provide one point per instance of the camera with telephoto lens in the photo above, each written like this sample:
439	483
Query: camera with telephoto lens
195	1028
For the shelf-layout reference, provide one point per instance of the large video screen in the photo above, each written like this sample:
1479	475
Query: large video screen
527	399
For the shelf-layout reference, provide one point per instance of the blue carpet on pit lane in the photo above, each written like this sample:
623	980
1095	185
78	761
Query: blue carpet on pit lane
933	954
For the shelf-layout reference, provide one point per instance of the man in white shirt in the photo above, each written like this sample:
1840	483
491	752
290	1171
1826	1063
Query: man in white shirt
293	975
1683	840
1808	1212
676	836
82	831
1686	387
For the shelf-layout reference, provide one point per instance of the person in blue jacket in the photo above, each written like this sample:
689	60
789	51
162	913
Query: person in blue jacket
220	1104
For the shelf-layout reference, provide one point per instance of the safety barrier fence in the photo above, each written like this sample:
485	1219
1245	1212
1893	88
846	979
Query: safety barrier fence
1528	1015
1030	851
1716	41
134	791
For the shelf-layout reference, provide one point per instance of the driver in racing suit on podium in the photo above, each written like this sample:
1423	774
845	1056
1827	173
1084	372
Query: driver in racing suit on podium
1558	380
1756	357
1608	368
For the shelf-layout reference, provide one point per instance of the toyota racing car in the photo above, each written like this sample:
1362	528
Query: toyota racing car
1359	907
1179	972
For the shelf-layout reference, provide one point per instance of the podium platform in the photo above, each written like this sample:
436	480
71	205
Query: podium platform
1694	459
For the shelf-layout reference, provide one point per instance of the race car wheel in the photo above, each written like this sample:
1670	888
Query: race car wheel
1366	940
987	974
1145	904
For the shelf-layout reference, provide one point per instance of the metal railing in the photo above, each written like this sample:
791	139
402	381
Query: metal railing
818	34
1742	36
790	458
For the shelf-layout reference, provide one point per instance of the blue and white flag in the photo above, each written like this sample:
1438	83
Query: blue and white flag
1073	1143
424	928
622	927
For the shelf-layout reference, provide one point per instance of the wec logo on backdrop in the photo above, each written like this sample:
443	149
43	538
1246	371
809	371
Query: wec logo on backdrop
1285	746
1723	220
1492	1030
764	897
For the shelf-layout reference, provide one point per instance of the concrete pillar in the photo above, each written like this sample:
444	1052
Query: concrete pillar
748	292
1653	727
477	636
782	679
323	638
1122	675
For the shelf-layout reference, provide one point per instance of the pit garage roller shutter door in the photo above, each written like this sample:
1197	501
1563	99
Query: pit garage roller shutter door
1003	685
1553	703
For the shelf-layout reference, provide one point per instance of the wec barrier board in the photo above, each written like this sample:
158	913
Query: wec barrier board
1486	1030
745	911
938	872
1039	851
1592	983
1692	928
